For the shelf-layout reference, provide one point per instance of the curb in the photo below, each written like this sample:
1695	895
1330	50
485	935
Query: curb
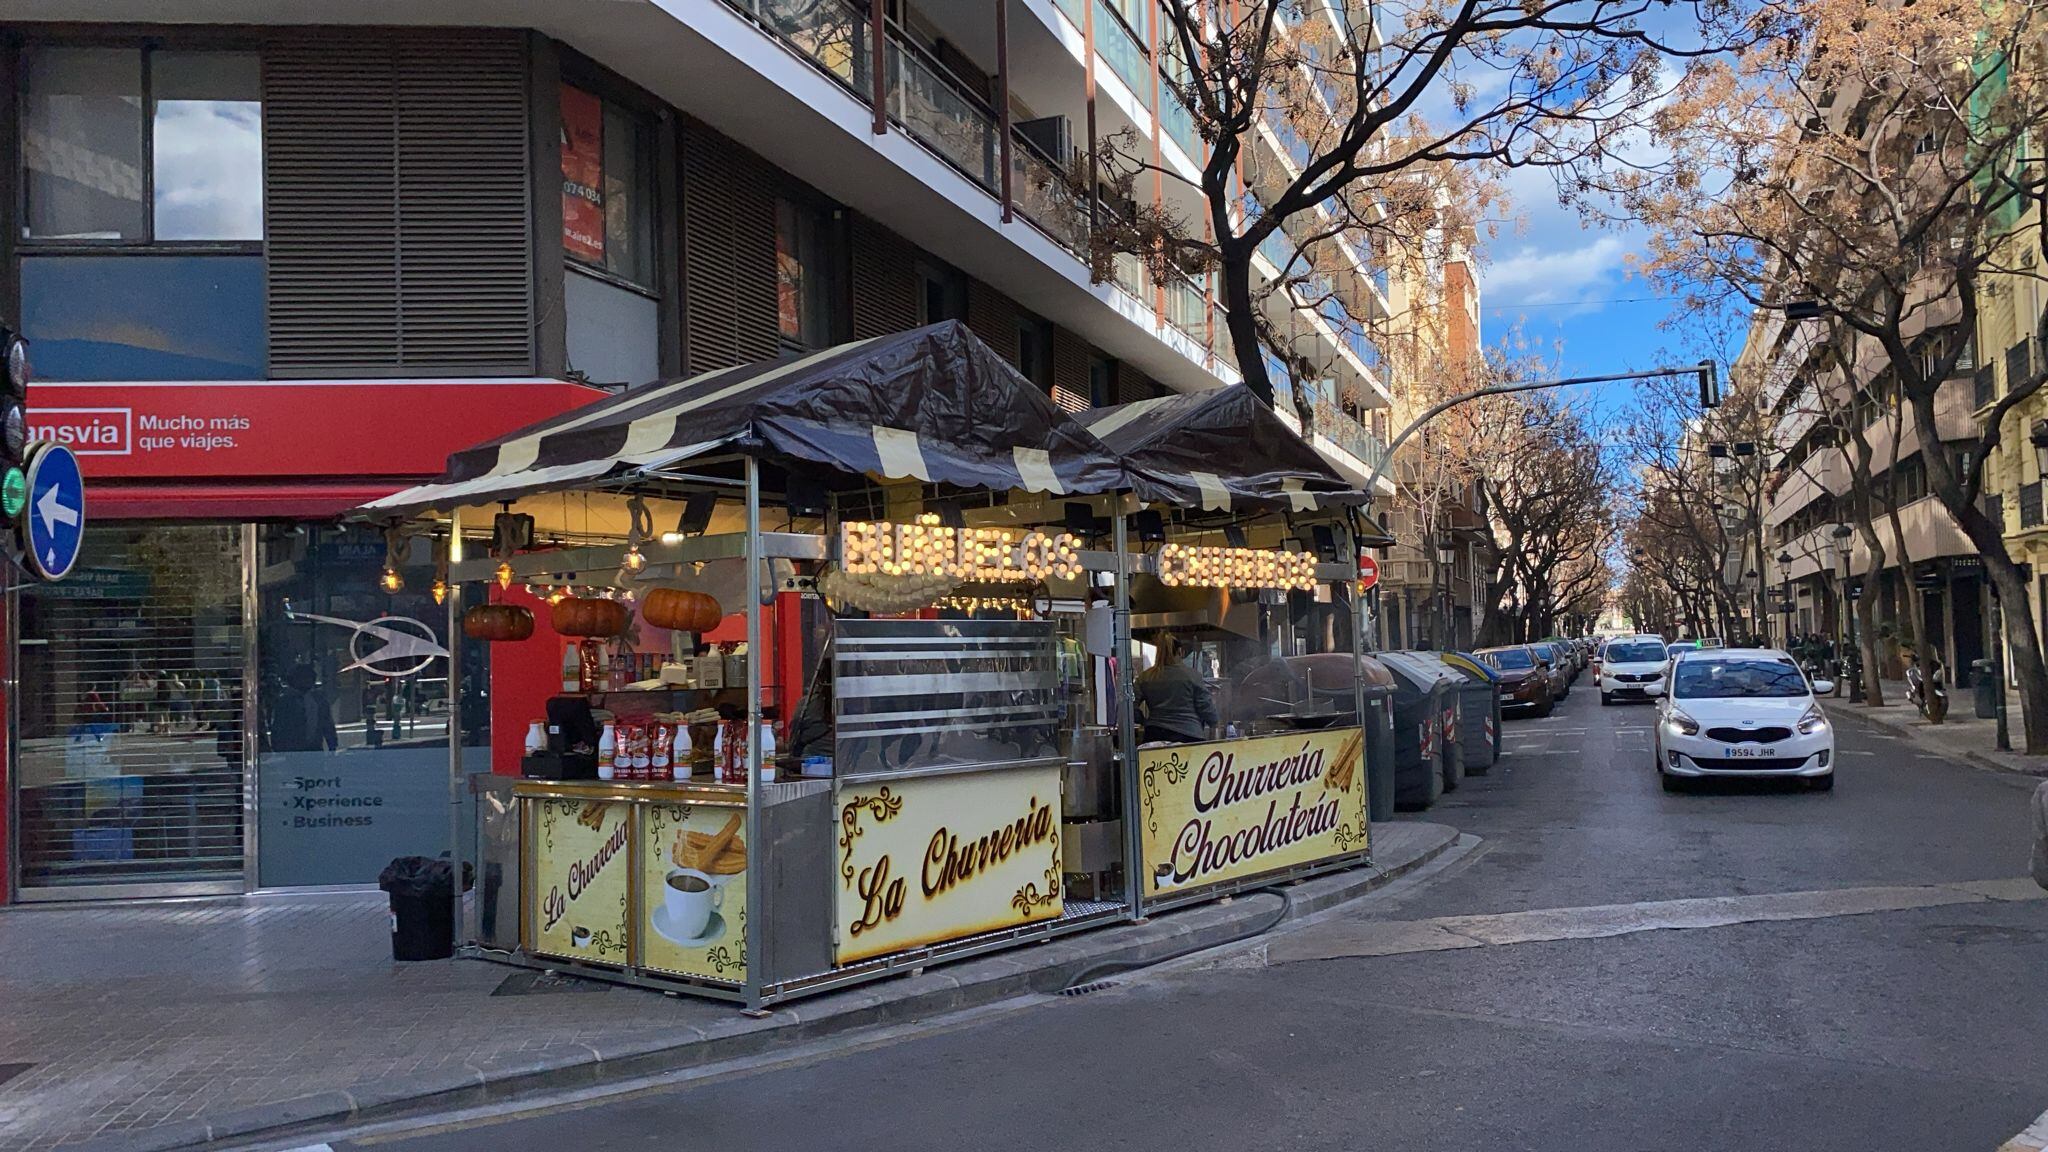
898	1000
2034	1139
1914	732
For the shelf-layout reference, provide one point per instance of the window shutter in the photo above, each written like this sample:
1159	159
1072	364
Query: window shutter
884	281
397	210
991	316
729	274
1070	366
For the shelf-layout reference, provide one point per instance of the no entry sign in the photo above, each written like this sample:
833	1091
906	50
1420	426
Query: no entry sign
1368	572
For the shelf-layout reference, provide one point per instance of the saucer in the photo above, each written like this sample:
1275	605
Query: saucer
713	929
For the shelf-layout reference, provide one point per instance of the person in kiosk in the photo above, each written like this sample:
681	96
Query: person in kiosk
1174	699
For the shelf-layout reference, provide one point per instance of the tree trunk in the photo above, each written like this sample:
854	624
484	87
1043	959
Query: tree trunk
1916	608
1234	269
1869	615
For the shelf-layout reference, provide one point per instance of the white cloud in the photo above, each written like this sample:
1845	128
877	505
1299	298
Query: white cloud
1556	273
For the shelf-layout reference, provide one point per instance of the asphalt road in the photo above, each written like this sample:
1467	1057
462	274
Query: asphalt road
1423	1021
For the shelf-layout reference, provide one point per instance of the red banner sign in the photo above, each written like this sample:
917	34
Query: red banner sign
214	430
582	175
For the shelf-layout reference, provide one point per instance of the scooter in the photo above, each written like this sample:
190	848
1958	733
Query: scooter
1926	692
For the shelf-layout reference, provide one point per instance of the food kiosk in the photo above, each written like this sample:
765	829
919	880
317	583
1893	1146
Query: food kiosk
887	652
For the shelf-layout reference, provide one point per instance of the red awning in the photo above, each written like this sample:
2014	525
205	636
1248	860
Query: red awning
296	500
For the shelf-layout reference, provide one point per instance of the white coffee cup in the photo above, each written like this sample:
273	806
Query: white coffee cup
692	897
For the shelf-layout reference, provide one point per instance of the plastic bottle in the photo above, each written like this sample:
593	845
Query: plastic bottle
684	753
767	752
572	669
607	753
718	766
658	761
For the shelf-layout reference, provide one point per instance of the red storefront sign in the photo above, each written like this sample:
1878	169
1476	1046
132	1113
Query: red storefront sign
218	431
582	175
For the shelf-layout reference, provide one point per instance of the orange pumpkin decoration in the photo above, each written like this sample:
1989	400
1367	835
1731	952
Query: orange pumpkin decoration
497	622
584	616
681	610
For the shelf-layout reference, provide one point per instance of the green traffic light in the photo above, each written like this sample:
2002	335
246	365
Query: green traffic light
13	493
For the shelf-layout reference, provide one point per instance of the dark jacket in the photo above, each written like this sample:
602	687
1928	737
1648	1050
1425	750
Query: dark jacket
1176	700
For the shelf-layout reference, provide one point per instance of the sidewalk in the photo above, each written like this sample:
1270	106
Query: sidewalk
1960	734
151	1026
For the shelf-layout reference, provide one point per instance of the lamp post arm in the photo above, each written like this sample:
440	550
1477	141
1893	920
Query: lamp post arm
1437	409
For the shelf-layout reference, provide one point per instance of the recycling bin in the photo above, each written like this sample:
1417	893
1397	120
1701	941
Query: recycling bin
1425	710
1478	711
1987	689
1326	681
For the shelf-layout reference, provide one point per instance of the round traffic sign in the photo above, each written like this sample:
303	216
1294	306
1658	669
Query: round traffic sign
55	527
1368	572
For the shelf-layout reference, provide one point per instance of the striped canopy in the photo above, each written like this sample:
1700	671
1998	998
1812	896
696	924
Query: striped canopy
1220	451
935	404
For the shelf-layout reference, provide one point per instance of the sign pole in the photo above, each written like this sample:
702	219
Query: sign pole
1126	715
756	885
455	777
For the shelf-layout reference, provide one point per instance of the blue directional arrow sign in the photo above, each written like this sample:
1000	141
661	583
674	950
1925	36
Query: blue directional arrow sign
56	511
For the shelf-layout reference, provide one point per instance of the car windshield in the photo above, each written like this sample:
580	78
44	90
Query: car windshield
1510	658
1720	679
1634	652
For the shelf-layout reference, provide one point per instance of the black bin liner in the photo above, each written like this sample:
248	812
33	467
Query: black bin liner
422	906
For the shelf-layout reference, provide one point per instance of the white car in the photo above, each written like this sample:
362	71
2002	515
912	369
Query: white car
1632	668
1743	712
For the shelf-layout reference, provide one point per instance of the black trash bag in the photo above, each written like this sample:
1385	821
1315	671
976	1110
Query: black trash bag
422	906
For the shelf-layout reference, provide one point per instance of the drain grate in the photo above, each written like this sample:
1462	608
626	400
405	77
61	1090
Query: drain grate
10	1071
1085	989
544	983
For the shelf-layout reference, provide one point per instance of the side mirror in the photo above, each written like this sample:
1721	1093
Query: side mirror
1823	687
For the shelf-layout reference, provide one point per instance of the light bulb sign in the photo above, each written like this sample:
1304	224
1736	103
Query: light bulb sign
969	555
53	528
1211	567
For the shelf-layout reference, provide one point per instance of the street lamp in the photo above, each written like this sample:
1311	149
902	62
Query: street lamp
1845	611
1786	605
1446	555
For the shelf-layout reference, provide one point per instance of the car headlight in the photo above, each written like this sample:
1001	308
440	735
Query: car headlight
1682	724
1812	721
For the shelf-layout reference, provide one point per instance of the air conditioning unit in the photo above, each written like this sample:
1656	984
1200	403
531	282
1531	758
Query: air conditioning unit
1052	135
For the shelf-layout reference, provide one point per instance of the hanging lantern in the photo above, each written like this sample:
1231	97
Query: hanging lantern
394	554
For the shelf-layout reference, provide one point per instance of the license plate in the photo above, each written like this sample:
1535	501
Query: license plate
1748	752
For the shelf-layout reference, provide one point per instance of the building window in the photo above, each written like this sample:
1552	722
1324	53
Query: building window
101	169
1101	382
607	188
807	267
942	294
1034	351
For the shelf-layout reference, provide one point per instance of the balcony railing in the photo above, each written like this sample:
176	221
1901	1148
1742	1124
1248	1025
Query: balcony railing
1179	124
1187	309
1126	57
1985	385
2030	505
931	105
1128	273
2019	364
1339	427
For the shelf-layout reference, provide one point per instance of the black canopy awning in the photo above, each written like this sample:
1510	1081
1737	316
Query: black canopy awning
934	404
1221	451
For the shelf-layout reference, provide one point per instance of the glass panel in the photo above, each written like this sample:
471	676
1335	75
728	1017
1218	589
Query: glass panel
352	769
806	274
583	215
926	102
1186	310
1041	192
131	711
1126	57
208	137
1179	124
830	32
81	141
1129	274
628	207
145	317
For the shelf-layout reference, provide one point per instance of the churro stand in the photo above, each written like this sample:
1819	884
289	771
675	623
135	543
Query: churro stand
867	704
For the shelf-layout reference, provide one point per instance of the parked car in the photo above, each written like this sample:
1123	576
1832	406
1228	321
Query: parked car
1561	657
1743	712
1525	687
1633	668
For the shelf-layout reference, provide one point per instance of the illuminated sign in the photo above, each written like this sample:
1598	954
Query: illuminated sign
981	555
1206	567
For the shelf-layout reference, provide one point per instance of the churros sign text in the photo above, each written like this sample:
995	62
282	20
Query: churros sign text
1224	810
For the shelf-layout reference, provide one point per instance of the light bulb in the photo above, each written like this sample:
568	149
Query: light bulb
440	591
505	575
633	560
391	580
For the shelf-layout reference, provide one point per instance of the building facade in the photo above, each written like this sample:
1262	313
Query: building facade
275	260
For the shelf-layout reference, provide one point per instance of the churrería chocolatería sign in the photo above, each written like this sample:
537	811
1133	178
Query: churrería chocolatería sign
1235	808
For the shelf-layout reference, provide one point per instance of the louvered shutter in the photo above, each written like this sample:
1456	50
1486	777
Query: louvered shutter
397	205
885	285
728	210
1070	356
991	316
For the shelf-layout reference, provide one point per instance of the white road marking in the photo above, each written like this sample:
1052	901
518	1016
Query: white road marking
1444	933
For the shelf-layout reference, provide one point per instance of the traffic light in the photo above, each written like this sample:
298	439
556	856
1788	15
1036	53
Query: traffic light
1710	385
13	425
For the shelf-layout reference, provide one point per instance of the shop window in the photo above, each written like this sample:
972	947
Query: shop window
123	145
352	760
807	270
607	189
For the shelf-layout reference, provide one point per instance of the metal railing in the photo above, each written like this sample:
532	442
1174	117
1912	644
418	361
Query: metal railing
1187	309
1985	383
2019	363
1339	427
1128	273
2030	505
929	103
1179	125
1122	51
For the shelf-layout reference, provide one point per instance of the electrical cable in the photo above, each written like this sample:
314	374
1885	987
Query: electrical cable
1112	967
